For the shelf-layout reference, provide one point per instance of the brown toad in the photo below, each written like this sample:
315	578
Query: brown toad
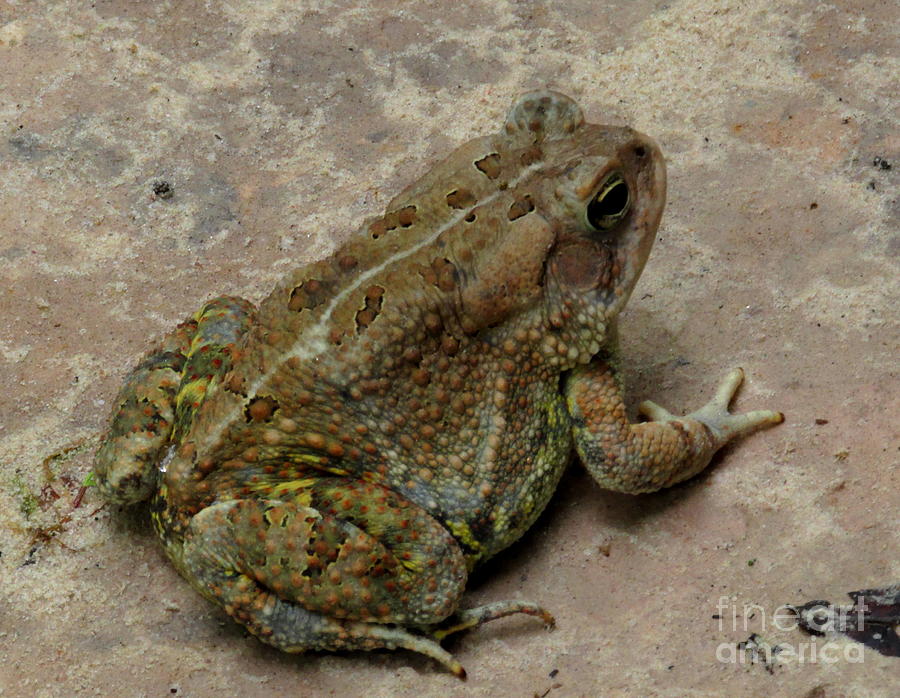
330	466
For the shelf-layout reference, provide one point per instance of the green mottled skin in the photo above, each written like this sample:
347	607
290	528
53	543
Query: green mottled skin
330	466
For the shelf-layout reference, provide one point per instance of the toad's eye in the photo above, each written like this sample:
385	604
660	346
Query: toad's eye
610	203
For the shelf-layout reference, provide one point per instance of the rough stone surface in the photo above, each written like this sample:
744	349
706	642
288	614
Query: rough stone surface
156	154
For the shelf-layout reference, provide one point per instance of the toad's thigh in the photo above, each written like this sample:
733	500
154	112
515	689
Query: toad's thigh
337	546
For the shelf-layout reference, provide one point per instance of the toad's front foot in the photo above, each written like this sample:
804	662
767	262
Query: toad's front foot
648	456
722	425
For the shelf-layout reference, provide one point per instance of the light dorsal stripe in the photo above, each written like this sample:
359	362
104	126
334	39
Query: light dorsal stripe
313	341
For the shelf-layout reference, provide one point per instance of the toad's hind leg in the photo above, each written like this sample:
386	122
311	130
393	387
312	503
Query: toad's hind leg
161	394
333	564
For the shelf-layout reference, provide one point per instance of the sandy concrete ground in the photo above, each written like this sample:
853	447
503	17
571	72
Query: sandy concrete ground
278	128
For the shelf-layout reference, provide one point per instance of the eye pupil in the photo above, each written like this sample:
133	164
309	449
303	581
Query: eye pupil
610	204
614	200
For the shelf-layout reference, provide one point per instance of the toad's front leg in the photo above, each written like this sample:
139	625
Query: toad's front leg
648	456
